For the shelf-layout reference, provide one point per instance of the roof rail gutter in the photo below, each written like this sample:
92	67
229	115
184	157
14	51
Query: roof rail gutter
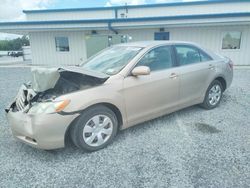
111	28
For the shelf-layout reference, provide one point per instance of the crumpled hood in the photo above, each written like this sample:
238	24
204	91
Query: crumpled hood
47	78
44	78
84	71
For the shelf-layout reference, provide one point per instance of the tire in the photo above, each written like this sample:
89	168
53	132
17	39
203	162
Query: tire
95	128
210	103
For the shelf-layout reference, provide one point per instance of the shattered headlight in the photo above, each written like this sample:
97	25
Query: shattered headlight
49	107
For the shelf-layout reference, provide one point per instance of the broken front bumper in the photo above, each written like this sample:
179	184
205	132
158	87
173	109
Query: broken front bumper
44	131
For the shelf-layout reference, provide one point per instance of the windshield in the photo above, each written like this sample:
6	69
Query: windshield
112	60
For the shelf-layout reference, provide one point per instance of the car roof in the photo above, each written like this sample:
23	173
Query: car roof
145	44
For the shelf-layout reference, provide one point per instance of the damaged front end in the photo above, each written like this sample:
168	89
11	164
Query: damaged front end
33	116
49	83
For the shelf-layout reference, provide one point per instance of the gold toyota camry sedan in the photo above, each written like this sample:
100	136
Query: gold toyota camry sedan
119	87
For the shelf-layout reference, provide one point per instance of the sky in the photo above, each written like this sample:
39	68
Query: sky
11	10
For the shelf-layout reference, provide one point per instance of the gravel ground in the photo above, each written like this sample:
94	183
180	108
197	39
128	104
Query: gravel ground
190	148
8	59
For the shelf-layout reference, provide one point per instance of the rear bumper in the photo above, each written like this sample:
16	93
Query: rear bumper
229	78
44	131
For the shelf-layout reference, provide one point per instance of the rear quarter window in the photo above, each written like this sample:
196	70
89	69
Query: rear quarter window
204	56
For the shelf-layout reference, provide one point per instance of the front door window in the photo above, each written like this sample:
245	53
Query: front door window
157	59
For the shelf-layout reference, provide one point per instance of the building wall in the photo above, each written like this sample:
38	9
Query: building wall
76	15
186	10
210	37
139	12
44	48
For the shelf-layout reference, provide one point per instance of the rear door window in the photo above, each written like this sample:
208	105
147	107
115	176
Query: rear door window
189	55
205	57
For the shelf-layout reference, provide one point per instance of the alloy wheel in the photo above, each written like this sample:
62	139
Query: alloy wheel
214	95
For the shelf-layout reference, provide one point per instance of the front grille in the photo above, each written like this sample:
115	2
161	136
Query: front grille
23	98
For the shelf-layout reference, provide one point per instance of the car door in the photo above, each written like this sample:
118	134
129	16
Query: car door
196	69
151	95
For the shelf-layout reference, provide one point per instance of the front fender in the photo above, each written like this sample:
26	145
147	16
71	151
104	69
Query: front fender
108	93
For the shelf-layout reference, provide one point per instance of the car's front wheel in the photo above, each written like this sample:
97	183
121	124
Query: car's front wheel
213	95
95	128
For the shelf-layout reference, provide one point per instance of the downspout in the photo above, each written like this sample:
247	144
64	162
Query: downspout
109	22
116	13
111	28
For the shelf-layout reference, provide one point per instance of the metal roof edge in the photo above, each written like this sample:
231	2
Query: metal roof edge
199	2
115	20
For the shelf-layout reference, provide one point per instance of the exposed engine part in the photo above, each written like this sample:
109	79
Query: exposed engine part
47	84
68	82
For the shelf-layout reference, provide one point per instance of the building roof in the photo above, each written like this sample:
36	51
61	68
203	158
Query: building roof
117	20
195	2
150	16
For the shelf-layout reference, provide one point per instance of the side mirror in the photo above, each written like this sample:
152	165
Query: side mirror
141	70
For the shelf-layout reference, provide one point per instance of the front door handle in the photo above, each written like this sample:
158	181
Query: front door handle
211	67
173	75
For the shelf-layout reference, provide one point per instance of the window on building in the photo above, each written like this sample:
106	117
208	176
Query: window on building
62	44
157	59
161	35
189	55
231	40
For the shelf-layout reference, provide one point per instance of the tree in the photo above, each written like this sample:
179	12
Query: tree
14	44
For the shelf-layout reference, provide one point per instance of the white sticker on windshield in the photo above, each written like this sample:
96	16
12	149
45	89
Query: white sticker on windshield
110	71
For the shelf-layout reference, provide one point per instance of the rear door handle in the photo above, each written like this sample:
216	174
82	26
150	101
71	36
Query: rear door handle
173	75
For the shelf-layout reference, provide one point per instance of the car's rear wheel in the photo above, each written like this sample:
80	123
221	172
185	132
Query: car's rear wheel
95	128
213	95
